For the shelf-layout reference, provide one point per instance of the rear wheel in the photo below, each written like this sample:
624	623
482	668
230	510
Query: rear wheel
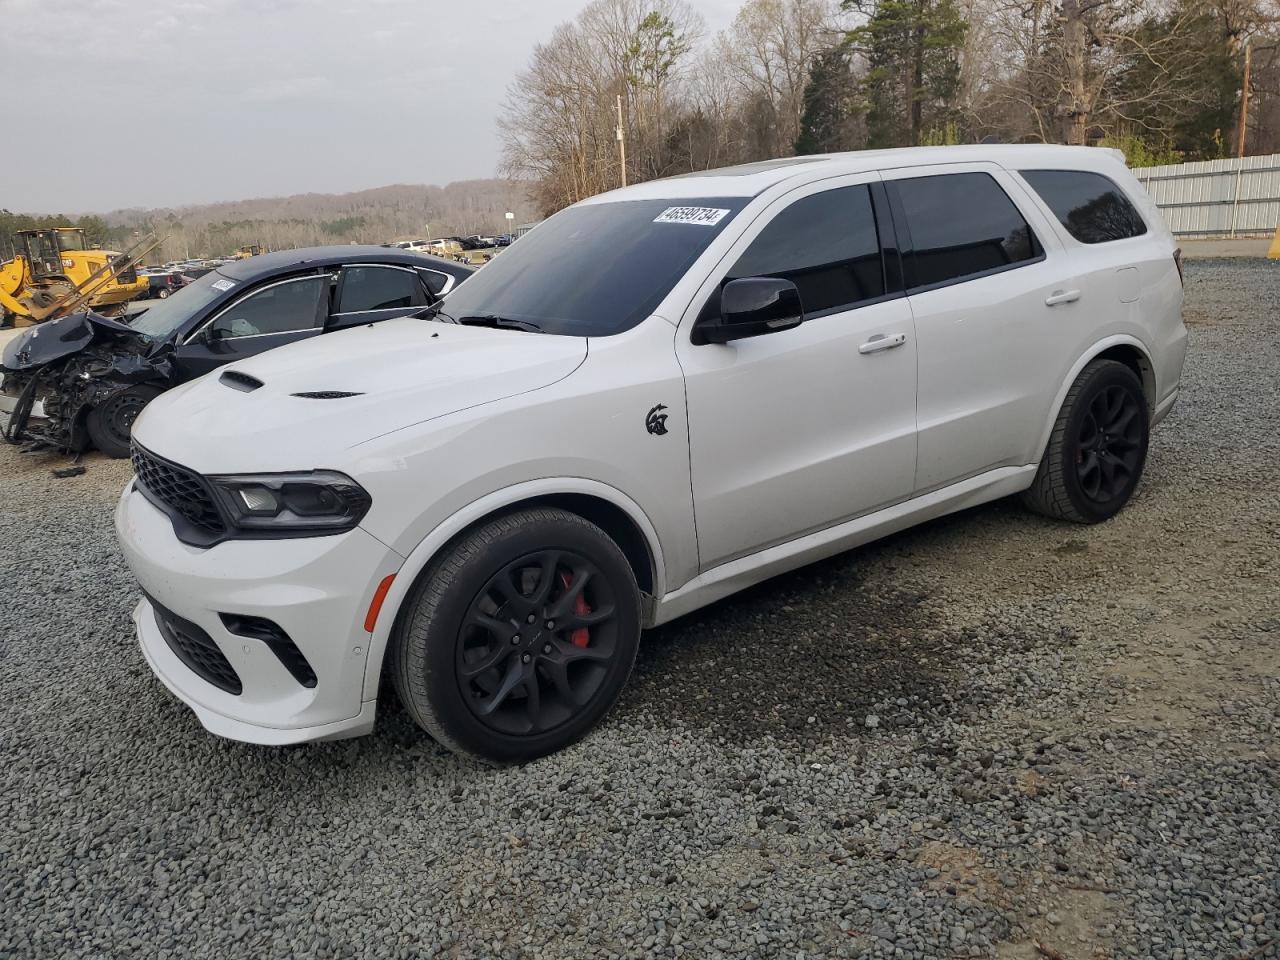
520	638
110	424
1098	447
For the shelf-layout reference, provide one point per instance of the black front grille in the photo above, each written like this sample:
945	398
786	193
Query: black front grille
279	642
177	490
196	649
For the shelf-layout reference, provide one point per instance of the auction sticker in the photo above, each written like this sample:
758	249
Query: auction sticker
698	216
223	285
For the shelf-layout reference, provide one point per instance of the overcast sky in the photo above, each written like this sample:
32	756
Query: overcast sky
120	103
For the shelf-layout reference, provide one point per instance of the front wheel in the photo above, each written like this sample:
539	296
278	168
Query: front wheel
519	638
110	423
1097	449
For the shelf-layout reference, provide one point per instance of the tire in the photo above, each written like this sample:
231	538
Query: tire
110	423
1097	449
484	681
163	293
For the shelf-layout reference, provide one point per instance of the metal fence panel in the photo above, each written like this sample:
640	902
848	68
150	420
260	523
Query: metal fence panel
1217	198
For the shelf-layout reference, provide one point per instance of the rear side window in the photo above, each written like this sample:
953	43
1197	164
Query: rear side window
826	244
377	288
961	225
434	280
1089	205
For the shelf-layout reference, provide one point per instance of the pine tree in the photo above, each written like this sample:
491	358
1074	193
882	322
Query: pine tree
913	58
829	104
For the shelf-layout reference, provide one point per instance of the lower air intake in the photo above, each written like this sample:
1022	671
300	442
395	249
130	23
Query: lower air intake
197	650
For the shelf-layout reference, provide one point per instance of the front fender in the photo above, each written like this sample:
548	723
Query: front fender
487	505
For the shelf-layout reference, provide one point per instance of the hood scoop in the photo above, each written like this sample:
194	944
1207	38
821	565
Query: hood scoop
327	395
240	381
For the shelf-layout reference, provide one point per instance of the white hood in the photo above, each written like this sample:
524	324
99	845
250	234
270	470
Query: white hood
404	371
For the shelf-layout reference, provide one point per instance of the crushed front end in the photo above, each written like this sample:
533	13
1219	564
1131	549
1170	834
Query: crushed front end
57	372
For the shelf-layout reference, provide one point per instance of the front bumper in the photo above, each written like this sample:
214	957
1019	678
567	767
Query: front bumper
317	590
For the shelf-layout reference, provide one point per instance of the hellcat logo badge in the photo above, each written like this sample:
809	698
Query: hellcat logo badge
656	421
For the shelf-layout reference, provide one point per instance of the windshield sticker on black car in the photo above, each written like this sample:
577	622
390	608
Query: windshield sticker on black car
698	216
223	285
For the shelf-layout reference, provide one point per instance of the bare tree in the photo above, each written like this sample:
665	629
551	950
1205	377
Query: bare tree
770	50
560	116
1068	62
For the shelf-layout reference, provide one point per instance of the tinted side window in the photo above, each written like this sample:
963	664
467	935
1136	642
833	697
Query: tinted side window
283	308
434	279
377	288
826	245
961	224
1090	206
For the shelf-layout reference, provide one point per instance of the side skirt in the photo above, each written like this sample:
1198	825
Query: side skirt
728	578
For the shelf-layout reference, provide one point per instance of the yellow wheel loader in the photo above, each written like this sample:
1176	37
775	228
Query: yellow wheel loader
57	274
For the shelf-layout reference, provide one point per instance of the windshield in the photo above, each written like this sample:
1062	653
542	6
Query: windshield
72	240
164	318
595	270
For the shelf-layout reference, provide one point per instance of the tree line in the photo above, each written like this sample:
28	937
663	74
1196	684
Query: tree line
379	215
1161	79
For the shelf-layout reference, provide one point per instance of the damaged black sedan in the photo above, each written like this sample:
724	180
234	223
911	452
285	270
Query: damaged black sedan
82	380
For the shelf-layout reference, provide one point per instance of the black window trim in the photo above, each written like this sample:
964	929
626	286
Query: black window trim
1053	216
907	249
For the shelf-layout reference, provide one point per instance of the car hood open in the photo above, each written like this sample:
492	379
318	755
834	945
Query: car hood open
297	407
60	338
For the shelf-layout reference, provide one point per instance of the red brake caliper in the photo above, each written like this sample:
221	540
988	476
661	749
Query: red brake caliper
580	637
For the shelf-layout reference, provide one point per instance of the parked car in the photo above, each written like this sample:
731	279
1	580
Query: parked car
736	373
502	240
84	378
161	285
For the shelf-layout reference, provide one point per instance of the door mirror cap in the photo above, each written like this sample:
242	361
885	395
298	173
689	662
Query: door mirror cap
752	307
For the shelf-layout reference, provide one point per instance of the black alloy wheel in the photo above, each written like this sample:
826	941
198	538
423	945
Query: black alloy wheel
1109	446
518	637
1097	448
535	643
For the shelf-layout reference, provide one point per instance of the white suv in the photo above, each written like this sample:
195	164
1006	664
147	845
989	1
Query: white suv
658	397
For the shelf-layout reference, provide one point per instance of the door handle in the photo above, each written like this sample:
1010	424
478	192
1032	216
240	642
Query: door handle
1061	296
881	342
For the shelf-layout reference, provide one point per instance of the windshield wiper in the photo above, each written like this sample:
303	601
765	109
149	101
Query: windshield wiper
504	323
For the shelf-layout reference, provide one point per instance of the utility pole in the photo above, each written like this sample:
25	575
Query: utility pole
1244	98
622	143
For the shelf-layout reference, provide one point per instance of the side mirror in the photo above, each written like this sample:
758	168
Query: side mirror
751	307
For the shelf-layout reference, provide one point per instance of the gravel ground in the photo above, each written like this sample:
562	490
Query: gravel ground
993	736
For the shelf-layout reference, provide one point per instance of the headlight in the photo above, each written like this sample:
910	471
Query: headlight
292	504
